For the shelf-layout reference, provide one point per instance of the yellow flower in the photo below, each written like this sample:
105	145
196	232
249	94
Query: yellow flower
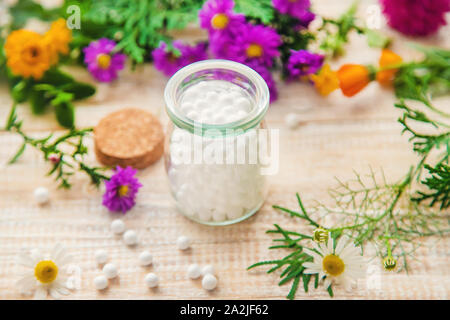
27	54
58	39
326	81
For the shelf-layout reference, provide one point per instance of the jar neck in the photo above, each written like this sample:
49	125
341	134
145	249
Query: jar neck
225	70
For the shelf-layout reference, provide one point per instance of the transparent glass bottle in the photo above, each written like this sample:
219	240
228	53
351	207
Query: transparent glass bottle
213	167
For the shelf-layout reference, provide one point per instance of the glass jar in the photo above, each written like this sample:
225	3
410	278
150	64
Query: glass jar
216	109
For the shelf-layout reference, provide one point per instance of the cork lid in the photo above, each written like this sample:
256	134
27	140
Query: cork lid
129	134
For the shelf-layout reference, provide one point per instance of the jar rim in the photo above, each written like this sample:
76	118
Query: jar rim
252	119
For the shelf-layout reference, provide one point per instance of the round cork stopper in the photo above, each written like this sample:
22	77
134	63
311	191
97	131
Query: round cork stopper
129	137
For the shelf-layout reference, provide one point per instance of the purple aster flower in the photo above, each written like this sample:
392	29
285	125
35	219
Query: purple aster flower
267	76
303	63
256	44
218	16
416	17
101	60
121	190
168	63
294	8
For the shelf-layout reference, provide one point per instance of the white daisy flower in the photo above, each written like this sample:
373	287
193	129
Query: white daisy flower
45	274
342	265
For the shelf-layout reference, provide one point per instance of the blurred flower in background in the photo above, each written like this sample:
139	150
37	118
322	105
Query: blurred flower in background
302	63
416	17
168	61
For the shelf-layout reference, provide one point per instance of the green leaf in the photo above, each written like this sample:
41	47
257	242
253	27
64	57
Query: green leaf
65	114
20	91
56	77
330	291
261	9
26	9
79	90
18	154
38	102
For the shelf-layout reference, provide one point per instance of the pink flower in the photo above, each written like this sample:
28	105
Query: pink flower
416	17
257	44
218	16
168	63
101	60
303	63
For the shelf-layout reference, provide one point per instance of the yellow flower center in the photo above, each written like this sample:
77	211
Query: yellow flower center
254	51
46	271
123	191
220	21
333	265
104	60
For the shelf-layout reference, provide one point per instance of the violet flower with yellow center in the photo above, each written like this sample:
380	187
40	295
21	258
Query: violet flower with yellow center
218	16
102	60
326	81
121	190
255	43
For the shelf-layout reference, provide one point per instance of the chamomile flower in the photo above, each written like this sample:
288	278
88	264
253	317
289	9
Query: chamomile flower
341	264
45	274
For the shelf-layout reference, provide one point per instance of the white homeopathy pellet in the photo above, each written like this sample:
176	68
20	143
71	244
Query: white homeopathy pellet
209	282
100	282
292	120
41	195
145	258
183	243
194	271
151	280
101	256
208	269
130	237
118	226
110	270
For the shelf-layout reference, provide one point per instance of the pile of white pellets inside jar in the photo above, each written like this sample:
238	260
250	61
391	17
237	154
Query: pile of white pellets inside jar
236	189
109	270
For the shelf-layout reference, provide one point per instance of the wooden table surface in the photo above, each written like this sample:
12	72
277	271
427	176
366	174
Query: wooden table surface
338	135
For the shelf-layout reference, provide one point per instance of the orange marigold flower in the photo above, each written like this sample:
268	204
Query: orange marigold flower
27	54
353	78
326	81
58	38
387	59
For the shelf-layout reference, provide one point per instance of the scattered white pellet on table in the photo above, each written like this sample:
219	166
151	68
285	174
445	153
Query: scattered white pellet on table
292	120
118	226
41	195
130	237
101	256
194	271
100	282
209	282
110	270
145	258
183	243
151	280
208	269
